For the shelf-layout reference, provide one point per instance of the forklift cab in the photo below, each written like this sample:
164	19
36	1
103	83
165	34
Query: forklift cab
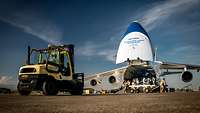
61	57
58	59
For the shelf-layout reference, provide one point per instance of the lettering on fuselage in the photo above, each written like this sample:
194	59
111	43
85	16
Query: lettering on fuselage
134	41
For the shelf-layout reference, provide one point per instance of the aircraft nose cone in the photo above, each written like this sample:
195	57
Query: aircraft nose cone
135	27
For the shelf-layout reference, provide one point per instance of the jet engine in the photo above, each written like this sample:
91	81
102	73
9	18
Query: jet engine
93	82
112	79
187	76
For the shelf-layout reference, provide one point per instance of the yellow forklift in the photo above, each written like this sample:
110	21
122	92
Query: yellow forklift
50	70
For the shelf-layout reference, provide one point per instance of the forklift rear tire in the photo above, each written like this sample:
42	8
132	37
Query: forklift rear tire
49	88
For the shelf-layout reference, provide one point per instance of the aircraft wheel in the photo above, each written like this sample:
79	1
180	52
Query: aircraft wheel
128	90
137	91
146	90
140	89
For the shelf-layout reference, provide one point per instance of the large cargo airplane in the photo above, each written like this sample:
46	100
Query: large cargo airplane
143	72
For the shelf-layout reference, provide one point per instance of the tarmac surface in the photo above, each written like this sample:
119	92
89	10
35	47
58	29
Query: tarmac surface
180	102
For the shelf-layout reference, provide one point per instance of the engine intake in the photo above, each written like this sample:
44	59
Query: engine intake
112	79
93	82
187	76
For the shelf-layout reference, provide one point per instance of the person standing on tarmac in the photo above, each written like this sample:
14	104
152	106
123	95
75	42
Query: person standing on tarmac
163	85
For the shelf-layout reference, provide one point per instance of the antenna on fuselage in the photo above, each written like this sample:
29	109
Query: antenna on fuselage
155	54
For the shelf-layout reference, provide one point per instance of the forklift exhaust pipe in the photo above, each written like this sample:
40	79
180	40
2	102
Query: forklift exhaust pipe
29	55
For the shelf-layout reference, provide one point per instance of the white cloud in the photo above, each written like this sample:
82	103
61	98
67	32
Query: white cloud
35	25
8	81
91	49
109	54
4	79
159	12
88	49
188	54
185	48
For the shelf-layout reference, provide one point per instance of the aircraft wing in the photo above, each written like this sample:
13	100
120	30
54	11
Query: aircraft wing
105	74
167	65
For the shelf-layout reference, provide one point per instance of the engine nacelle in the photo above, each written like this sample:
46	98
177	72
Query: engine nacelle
112	79
187	76
93	82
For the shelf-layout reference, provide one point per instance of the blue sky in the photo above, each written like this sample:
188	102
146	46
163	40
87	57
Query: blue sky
96	28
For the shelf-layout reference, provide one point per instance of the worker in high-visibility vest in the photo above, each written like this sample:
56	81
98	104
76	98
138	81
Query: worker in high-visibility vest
163	85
